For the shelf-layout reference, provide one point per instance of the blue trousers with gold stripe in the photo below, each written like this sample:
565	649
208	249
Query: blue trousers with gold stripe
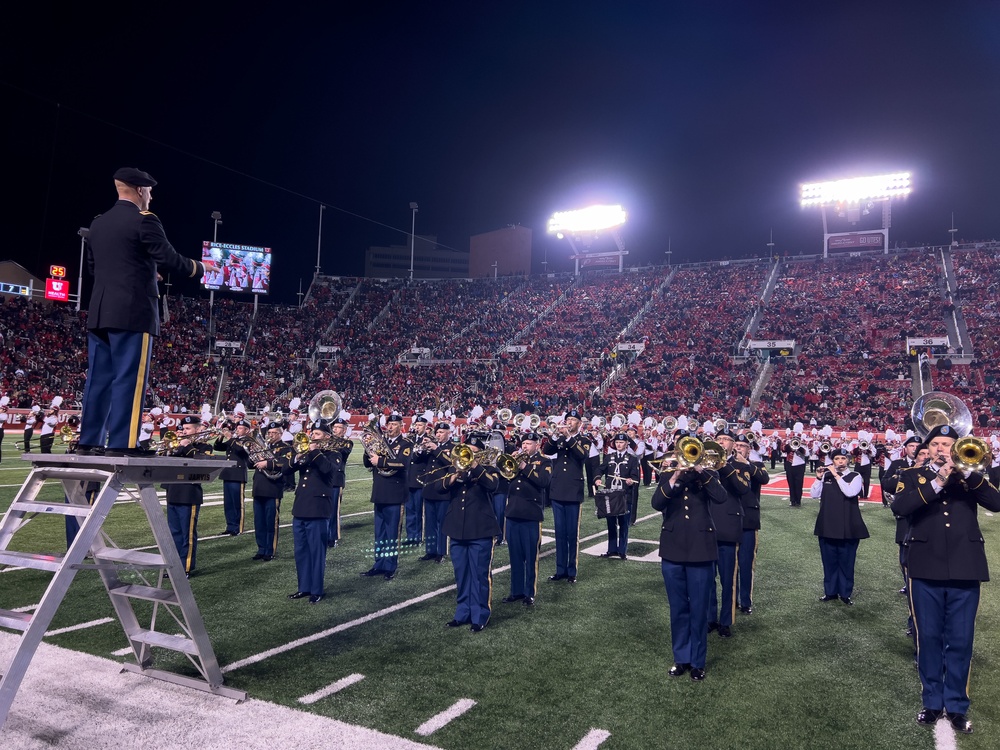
266	518
183	523
232	504
747	556
388	519
522	537
117	369
472	559
333	525
566	517
726	569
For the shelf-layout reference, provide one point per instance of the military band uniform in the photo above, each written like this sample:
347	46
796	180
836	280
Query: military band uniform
946	564
747	553
337	492
566	494
594	459
434	462
127	247
688	551
525	511
311	517
267	494
472	526
728	517
795	474
840	528
388	496
234	482
890	480
414	507
183	506
617	467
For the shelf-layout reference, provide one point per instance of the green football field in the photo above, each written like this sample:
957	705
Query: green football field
796	674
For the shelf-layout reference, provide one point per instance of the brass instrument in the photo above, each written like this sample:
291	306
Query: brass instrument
169	442
504	463
518	420
534	421
461	456
825	447
259	450
720	424
67	434
971	453
669	423
795	446
690	452
864	445
325	406
505	415
373	440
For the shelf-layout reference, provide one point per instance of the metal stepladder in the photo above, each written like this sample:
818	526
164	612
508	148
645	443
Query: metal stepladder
128	575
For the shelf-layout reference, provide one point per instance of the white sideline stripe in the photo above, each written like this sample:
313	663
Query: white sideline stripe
81	626
12	569
122	651
944	735
592	740
380	613
436	722
25	609
331	689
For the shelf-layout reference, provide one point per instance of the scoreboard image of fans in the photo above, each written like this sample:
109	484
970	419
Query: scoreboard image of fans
236	268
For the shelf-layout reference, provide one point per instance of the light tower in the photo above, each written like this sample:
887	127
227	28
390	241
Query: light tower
853	198
586	226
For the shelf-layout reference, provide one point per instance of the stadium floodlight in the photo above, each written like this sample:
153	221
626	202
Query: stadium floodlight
856	189
590	219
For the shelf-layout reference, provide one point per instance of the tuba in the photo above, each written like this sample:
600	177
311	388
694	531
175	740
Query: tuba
505	415
373	440
669	423
969	453
325	406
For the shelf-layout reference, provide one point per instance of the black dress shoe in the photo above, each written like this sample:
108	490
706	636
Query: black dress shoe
961	723
426	558
316	598
511	599
370	573
529	601
623	556
713	626
90	450
678	670
267	558
477	628
299	595
571	579
903	591
389	576
129	452
558	577
828	597
725	632
258	556
331	545
929	716
455	624
847	600
606	554
697	674
439	559
746	610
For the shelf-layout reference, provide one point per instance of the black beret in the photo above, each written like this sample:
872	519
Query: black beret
530	436
394	418
420	419
442	426
621	436
243	423
339	420
725	432
742	439
942	430
322	426
912	439
840	452
136	177
273	426
573	413
476	441
191	419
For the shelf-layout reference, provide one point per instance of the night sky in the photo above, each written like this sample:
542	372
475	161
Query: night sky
702	118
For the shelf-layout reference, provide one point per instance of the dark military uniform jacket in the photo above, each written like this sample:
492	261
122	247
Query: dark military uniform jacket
390	490
234	452
621	465
525	497
127	246
945	543
278	464
187	494
339	473
470	513
839	515
890	479
567	468
735	479
751	501
313	496
688	531
433	465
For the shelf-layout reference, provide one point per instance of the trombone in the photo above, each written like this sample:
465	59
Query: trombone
301	441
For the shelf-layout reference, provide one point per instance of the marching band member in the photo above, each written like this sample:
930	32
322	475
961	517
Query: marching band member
650	445
184	500
863	463
414	507
268	489
525	510
593	464
566	493
946	563
728	516
839	525
311	511
621	468
50	420
688	551
32	422
435	456
4	418
339	430
234	479
795	473
146	431
472	526
746	554
388	496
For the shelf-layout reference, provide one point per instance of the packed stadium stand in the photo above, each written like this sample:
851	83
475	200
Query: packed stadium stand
664	340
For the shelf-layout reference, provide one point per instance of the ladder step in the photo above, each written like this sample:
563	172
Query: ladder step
130	556
64	509
165	640
149	593
14	620
31	560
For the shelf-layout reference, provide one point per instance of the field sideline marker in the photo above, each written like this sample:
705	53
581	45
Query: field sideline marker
436	722
331	689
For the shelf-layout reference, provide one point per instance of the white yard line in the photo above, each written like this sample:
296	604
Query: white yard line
331	689
436	722
944	735
592	740
81	626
